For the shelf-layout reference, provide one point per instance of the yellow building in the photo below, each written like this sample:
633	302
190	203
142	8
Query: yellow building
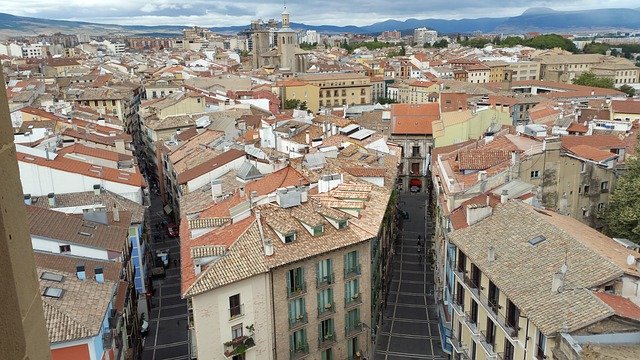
340	89
418	92
458	126
299	90
497	70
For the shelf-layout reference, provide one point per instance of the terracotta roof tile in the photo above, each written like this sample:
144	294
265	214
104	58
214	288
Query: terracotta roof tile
629	106
480	159
591	153
414	118
602	142
575	127
366	172
95	152
623	307
207	166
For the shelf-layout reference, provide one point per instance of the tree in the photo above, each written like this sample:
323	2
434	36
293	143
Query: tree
295	104
439	44
622	215
589	79
628	89
403	51
384	100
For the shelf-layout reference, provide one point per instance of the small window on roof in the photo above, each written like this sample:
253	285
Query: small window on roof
52	292
289	238
318	230
343	224
537	240
51	276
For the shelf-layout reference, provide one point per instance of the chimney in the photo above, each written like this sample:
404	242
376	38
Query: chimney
96	189
491	255
504	196
514	157
242	192
307	137
99	275
27	199
116	213
80	273
476	213
334	129
52	199
267	243
216	188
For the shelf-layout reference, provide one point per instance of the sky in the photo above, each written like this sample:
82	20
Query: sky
214	13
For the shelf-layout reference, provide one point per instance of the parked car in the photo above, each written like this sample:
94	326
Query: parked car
172	230
415	189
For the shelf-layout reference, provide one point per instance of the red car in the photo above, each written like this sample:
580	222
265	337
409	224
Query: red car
172	230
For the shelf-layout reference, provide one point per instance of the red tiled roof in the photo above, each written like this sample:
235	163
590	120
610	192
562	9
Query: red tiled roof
40	112
59	262
459	216
622	306
78	167
414	118
207	166
480	159
94	152
626	106
591	153
577	127
366	172
602	142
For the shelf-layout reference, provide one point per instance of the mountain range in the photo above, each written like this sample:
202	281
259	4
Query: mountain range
534	19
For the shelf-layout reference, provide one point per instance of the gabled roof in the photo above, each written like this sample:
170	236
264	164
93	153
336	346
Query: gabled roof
220	160
622	307
626	106
414	119
95	152
592	153
602	142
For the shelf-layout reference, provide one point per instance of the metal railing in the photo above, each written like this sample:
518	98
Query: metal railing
488	346
353	328
296	289
236	311
352	300
325	280
326	339
352	271
299	351
298	320
326	309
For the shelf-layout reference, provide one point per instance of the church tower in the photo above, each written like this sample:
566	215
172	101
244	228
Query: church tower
287	43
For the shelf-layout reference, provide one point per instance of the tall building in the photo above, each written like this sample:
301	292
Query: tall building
424	36
23	332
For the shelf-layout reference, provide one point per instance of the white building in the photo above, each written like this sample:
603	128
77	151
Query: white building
424	36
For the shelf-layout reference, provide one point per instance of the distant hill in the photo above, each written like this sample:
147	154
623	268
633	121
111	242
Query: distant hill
534	19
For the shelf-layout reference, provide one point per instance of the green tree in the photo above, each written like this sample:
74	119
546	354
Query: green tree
628	89
589	79
244	53
403	51
622	215
384	100
308	46
295	104
439	44
595	48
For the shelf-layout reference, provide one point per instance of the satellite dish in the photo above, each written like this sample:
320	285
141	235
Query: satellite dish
631	260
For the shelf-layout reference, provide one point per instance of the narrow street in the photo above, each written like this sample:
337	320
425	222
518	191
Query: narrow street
167	337
410	325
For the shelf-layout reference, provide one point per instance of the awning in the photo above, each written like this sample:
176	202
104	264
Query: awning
415	182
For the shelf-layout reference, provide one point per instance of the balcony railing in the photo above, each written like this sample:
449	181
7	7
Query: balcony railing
326	309
352	300
353	328
494	311
297	321
325	280
352	271
297	289
458	348
236	311
326	339
238	345
473	325
299	351
540	353
488	346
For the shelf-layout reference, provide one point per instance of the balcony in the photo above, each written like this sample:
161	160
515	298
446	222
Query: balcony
473	325
298	321
297	290
300	351
540	353
353	328
238	345
353	271
326	340
325	281
327	309
458	347
490	307
355	299
236	311
486	345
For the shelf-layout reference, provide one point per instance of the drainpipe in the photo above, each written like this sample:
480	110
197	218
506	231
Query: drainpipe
273	318
526	338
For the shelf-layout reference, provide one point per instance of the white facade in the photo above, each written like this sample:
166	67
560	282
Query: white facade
205	179
11	49
32	51
478	76
53	246
40	180
424	36
213	324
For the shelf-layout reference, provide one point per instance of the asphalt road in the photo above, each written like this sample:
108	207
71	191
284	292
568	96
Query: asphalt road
410	324
167	337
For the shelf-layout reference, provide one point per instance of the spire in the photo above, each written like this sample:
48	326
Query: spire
285	16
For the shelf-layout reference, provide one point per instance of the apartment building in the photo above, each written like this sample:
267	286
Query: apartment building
340	89
418	92
497	70
621	71
524	70
120	101
625	110
412	130
299	273
301	91
532	310
423	36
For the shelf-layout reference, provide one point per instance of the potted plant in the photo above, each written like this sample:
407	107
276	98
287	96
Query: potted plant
328	336
327	306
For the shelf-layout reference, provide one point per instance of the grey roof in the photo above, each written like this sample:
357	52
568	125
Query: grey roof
248	171
515	188
524	272
314	161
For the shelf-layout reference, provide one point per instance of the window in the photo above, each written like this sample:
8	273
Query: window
297	313
604	185
236	331
199	100
351	264
51	277
585	212
318	230
113	103
235	307
541	344
326	330
513	316
289	238
352	348
535	174
474	312
352	320
325	301
342	224
490	332
324	271
600	206
476	276
295	281
494	297
351	292
52	292
298	342
415	151
415	168
65	248
508	351
583	167
326	355
462	262
586	190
